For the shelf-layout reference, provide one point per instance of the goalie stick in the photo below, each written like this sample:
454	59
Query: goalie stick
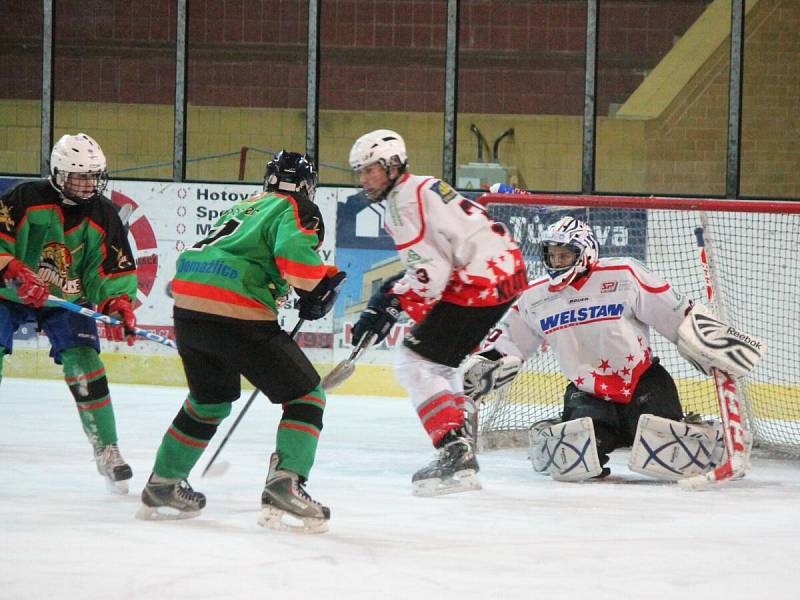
98	316
729	407
222	467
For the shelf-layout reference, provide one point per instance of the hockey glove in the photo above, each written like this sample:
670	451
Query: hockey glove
30	288
488	372
318	302
381	313
120	308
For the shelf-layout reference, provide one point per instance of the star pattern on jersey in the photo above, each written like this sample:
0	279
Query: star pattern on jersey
619	384
482	288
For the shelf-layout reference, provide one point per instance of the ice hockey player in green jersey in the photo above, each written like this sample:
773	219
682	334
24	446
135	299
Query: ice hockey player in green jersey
228	289
61	236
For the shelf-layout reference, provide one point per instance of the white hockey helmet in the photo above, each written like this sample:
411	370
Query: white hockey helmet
78	154
384	147
577	236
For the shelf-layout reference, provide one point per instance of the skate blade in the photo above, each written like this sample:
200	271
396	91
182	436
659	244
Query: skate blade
464	481
280	520
119	488
164	513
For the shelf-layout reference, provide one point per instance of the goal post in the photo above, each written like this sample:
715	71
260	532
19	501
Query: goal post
751	254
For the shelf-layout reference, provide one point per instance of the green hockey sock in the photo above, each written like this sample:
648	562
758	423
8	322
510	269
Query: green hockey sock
85	375
298	432
191	430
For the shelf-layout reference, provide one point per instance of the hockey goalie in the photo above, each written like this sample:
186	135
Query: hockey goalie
596	315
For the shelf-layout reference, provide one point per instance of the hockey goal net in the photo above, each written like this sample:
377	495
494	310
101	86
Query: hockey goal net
752	250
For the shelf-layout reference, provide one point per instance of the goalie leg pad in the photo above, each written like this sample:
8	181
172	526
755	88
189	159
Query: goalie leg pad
671	450
567	451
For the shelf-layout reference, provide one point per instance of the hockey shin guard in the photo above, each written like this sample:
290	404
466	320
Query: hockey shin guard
298	432
85	375
191	430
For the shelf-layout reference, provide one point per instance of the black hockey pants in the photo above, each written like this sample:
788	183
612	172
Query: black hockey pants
615	424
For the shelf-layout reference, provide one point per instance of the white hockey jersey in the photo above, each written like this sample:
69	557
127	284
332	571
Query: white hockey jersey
450	247
599	326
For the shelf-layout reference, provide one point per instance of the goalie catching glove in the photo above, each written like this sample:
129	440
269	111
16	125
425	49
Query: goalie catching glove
487	372
707	343
318	302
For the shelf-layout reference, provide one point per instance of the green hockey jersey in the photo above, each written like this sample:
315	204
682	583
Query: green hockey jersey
80	251
254	253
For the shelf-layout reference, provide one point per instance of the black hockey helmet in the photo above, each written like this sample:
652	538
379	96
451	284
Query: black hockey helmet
291	172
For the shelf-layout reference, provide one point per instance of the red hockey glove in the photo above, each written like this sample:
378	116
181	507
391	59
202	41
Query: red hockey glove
120	308
30	289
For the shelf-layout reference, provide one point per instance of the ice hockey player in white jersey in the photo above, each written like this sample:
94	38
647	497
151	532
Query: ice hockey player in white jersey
596	315
462	273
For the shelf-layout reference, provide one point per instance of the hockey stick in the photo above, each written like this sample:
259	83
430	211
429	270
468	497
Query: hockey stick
98	316
729	407
341	372
222	467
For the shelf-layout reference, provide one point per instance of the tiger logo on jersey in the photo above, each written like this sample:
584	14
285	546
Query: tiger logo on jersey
5	217
54	268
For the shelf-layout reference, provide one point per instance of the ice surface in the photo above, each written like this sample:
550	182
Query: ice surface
62	536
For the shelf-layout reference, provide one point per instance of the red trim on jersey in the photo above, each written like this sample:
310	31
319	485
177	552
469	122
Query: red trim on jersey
211	292
421	217
296	213
291	267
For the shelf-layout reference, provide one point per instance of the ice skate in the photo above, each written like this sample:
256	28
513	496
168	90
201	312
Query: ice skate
113	468
286	506
169	499
454	470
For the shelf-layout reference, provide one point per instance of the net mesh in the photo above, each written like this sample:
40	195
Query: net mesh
754	277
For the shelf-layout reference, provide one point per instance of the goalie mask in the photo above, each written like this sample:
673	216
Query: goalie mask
382	147
291	172
78	169
568	249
